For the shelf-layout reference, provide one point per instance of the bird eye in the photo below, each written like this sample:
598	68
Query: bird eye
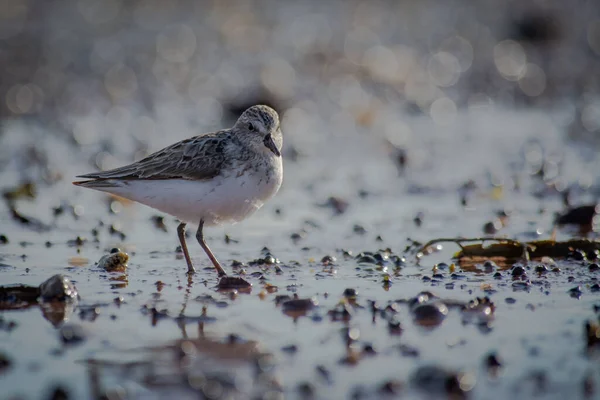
251	126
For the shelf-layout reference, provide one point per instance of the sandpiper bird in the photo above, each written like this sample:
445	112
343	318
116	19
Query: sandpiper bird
209	179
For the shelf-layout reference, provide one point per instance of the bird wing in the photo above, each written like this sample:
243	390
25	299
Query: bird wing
197	158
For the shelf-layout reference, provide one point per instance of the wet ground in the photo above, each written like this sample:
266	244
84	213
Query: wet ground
337	308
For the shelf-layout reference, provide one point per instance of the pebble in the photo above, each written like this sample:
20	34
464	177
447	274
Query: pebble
577	255
541	269
5	363
359	230
421	298
290	349
306	390
341	312
71	334
492	361
115	261
391	388
436	380
78	241
576	292
296	237
233	282
523	285
299	304
363	258
408	351
58	287
328	260
489	266
430	314
394	327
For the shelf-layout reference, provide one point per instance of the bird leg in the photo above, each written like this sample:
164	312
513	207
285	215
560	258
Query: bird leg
200	238
181	235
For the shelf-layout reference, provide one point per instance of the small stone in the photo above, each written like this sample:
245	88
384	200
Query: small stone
341	312
364	258
491	227
71	334
592	333
441	266
541	269
394	327
78	241
517	270
306	390
489	266
115	261
492	361
418	219
5	363
58	287
338	205
522	285
359	230
437	380
575	292
430	314
577	255
369	349
291	349
299	304
588	386
59	393
328	260
233	282
391	387
408	351
269	259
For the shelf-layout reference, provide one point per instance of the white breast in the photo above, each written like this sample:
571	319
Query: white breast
221	199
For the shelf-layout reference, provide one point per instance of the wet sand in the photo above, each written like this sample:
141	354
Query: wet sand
335	309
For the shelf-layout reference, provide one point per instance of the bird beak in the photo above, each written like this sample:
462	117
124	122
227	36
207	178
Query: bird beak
271	145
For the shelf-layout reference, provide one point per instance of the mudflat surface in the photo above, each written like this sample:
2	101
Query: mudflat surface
337	306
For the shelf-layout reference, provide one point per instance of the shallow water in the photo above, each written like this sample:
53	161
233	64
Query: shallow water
539	337
156	333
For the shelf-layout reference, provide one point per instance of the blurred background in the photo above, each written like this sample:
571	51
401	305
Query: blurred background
90	70
88	85
402	120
